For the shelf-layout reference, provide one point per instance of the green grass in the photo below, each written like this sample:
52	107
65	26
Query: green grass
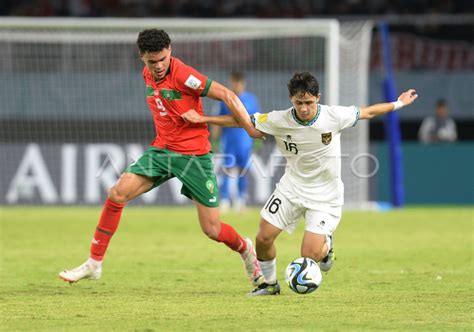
410	269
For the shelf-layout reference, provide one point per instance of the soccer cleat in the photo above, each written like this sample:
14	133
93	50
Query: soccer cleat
326	263
252	267
84	271
266	289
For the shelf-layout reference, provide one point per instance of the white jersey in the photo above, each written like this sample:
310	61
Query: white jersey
312	151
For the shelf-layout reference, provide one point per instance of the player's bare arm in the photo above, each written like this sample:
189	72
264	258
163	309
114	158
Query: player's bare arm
405	99
219	92
221	120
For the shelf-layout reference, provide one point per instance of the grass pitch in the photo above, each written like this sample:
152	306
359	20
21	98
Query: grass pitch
409	269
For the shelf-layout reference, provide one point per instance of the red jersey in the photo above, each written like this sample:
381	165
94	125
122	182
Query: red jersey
178	92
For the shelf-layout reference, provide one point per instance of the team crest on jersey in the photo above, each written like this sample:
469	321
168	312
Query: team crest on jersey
193	82
170	94
326	138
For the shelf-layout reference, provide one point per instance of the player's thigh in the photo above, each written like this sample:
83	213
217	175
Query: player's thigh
149	171
129	186
323	222
282	212
318	224
196	173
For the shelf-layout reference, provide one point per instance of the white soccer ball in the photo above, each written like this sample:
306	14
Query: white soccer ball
303	275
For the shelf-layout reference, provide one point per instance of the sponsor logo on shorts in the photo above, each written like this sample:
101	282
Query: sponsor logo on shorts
322	223
326	138
213	199
193	82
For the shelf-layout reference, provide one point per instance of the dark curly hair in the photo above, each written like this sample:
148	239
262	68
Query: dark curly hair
152	40
302	83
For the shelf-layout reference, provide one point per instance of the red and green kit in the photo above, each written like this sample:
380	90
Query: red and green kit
180	149
178	92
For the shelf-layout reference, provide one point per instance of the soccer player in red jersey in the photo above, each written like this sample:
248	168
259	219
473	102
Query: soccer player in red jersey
180	150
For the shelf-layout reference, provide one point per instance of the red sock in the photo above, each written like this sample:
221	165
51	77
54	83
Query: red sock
231	238
108	223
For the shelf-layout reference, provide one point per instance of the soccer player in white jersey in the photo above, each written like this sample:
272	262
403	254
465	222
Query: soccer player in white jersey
309	137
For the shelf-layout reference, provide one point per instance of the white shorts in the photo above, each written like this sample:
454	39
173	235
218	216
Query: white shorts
284	213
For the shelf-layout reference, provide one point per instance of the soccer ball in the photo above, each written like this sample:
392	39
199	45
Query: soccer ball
303	275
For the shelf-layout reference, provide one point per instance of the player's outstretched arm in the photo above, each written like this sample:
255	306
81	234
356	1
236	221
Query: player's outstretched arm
219	92
405	99
221	120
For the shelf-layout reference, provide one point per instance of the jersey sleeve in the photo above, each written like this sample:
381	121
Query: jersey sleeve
347	116
264	122
191	81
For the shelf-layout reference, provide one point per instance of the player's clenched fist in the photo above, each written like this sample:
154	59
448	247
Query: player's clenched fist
408	97
192	116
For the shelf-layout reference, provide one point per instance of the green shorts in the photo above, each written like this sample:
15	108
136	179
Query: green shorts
196	173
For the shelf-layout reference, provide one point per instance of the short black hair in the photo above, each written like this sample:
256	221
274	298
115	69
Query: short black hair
302	83
237	76
441	102
152	40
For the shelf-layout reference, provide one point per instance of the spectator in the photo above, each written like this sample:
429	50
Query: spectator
236	146
439	128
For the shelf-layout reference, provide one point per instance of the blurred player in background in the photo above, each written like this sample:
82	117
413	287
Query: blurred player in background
308	136
236	144
179	150
439	128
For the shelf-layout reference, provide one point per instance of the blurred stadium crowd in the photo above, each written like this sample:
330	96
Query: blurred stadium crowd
235	8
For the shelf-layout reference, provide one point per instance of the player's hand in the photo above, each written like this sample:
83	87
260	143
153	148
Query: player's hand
192	116
408	97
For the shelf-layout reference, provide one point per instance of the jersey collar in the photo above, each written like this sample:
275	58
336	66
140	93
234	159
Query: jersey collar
306	123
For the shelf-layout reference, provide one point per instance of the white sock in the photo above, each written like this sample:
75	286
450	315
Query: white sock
94	263
269	271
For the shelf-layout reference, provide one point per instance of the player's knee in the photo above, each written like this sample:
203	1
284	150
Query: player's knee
264	241
116	195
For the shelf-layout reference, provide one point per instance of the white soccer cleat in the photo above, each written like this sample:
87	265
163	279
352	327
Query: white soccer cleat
252	267
84	271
